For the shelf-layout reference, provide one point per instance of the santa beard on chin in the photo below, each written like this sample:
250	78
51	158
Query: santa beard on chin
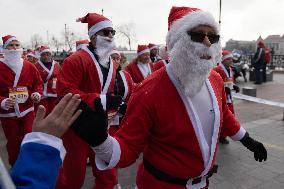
104	47
189	68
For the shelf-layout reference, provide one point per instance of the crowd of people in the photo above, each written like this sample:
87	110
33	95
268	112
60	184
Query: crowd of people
172	106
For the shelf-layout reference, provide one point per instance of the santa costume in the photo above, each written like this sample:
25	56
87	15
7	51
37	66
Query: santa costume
85	73
227	76
138	70
176	126
20	80
49	72
81	43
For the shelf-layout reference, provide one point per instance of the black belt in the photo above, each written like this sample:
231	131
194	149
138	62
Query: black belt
160	175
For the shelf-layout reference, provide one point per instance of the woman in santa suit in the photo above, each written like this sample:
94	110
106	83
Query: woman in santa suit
20	88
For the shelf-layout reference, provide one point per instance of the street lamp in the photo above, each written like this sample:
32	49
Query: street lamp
220	10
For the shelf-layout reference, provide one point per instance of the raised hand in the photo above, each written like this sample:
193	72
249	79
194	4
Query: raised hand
60	119
92	125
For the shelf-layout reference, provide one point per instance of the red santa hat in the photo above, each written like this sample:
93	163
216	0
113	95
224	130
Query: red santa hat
183	19
44	49
152	46
261	44
32	53
81	43
7	40
226	54
141	49
115	51
96	22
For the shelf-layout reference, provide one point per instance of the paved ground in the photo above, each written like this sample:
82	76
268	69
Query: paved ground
237	168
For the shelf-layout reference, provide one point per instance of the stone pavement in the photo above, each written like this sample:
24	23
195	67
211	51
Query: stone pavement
237	167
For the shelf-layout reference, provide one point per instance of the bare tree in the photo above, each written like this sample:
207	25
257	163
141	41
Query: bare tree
69	37
36	40
56	43
127	31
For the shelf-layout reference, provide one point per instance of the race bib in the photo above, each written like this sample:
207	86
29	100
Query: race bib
21	94
54	81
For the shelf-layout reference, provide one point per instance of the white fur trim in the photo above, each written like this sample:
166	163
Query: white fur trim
187	23
99	26
32	55
154	47
45	139
103	100
227	56
239	135
144	51
123	77
45	50
80	46
9	41
114	154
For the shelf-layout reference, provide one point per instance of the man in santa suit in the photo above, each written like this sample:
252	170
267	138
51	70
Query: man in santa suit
154	52
141	67
176	115
20	88
226	72
91	73
49	71
81	43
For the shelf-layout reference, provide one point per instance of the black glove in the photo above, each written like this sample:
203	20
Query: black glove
256	147
236	88
122	108
113	101
91	126
228	90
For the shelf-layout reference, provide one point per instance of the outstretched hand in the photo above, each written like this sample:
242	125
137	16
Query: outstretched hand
92	125
60	119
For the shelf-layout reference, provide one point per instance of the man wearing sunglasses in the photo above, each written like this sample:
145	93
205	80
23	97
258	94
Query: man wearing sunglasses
175	116
91	73
20	88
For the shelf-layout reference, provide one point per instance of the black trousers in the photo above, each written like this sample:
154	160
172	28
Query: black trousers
264	73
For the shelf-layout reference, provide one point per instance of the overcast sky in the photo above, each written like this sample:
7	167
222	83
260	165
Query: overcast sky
241	19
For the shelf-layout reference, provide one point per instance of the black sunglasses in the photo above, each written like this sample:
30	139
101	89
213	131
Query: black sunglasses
107	32
199	37
13	45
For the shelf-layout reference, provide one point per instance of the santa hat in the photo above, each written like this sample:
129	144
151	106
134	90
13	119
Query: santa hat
152	46
7	40
44	49
183	19
32	54
81	43
96	22
141	49
226	54
261	44
115	51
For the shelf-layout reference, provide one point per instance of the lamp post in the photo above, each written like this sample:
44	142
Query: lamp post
220	11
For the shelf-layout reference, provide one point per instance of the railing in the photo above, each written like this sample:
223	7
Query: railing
276	62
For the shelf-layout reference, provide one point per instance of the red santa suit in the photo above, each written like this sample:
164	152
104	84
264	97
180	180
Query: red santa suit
227	76
137	71
49	77
159	64
124	83
169	128
17	121
81	74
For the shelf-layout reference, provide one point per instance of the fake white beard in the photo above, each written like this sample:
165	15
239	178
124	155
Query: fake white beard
13	59
104	47
189	68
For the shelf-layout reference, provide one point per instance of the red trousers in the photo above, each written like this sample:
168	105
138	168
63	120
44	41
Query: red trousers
73	171
49	104
15	130
231	108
